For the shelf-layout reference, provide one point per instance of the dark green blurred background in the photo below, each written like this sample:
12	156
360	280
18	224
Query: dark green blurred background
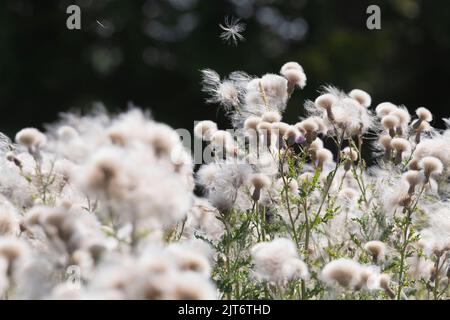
151	52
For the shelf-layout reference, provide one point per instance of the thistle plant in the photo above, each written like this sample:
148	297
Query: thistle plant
349	202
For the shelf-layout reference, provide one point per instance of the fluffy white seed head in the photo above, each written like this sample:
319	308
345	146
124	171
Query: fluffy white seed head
402	114
67	133
293	186
294	73
264	126
323	128
362	97
385	141
162	139
260	181
228	93
292	65
400	144
431	165
377	249
384	281
251	123
344	272
222	138
421	126
324	156
350	153
275	89
414	164
413	177
424	114
390	121
316	145
291	132
12	250
277	261
9	222
280	127
309	125
325	100
31	138
384	108
300	128
271	116
205	130
207	174
349	195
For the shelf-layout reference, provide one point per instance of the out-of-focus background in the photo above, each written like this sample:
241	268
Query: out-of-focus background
150	52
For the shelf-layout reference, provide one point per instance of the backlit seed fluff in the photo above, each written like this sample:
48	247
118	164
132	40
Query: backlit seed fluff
264	126
251	123
413	177
316	145
162	140
400	144
222	138
321	123
207	175
349	194
291	132
271	116
384	281
385	141
300	128
344	272
361	96
421	126
414	164
424	114
323	156
295	76
277	261
293	186
292	65
402	114
309	125
205	130
67	133
390	122
350	153
377	249
12	249
431	165
325	100
260	181
31	138
384	108
9	224
280	127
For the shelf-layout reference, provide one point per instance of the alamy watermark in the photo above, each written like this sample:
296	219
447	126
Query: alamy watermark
373	22
73	277
73	21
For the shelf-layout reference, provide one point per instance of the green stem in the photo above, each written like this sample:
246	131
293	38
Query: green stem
436	279
405	243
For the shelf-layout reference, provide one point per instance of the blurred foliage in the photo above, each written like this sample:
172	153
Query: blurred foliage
150	52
